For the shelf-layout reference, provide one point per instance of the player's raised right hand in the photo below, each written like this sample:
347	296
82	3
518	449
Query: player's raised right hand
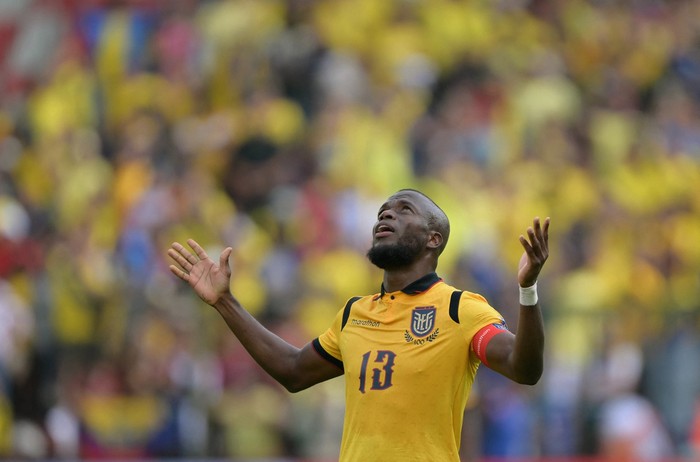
209	281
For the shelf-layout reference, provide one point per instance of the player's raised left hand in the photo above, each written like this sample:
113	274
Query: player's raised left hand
536	247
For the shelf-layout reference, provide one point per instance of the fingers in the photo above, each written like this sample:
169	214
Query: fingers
541	231
545	230
179	273
197	249
537	243
526	245
181	256
184	259
223	260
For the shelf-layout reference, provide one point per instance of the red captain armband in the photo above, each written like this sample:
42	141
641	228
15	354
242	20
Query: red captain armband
484	336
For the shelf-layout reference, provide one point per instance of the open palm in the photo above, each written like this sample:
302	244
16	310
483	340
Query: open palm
209	280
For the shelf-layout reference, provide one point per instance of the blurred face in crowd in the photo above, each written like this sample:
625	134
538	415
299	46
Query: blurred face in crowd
408	225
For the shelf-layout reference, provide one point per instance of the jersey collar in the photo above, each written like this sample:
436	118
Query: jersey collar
418	286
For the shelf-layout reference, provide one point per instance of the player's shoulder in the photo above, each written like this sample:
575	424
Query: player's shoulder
364	299
465	296
465	307
473	297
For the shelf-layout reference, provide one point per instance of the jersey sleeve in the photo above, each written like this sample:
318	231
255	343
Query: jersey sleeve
483	337
328	343
475	314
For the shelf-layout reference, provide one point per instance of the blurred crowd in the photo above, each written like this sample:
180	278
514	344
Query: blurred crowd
278	127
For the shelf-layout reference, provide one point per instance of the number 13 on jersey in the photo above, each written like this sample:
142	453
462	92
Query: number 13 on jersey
381	375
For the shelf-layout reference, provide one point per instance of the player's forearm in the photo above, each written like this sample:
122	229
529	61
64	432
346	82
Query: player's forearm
276	356
527	358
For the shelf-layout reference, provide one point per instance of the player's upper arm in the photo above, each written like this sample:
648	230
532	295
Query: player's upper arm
492	344
497	347
320	359
483	325
312	368
498	352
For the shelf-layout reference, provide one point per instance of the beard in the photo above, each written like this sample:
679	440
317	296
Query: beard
398	255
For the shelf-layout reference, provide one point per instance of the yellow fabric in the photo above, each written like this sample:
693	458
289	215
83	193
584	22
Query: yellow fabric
5	426
64	104
409	403
113	419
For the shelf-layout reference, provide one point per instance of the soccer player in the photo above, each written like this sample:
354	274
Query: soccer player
410	352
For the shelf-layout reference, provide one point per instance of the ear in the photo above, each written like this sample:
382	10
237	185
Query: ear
434	240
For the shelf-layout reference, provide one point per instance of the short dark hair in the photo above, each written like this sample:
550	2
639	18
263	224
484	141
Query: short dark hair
437	218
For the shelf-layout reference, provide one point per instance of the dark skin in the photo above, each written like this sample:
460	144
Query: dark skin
517	356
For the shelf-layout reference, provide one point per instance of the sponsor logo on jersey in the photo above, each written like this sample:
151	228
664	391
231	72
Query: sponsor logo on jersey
365	322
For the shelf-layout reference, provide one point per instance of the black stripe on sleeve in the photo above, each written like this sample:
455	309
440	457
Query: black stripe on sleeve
346	311
454	305
325	355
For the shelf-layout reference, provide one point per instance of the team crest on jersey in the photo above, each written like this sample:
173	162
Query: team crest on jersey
422	326
423	320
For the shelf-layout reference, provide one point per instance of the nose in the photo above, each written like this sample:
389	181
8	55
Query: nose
388	214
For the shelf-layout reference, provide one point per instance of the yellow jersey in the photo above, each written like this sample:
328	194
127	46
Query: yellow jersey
408	370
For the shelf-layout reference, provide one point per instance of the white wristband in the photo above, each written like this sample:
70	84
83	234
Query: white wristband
528	295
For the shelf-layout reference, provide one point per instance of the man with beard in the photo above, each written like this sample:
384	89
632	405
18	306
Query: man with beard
409	353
